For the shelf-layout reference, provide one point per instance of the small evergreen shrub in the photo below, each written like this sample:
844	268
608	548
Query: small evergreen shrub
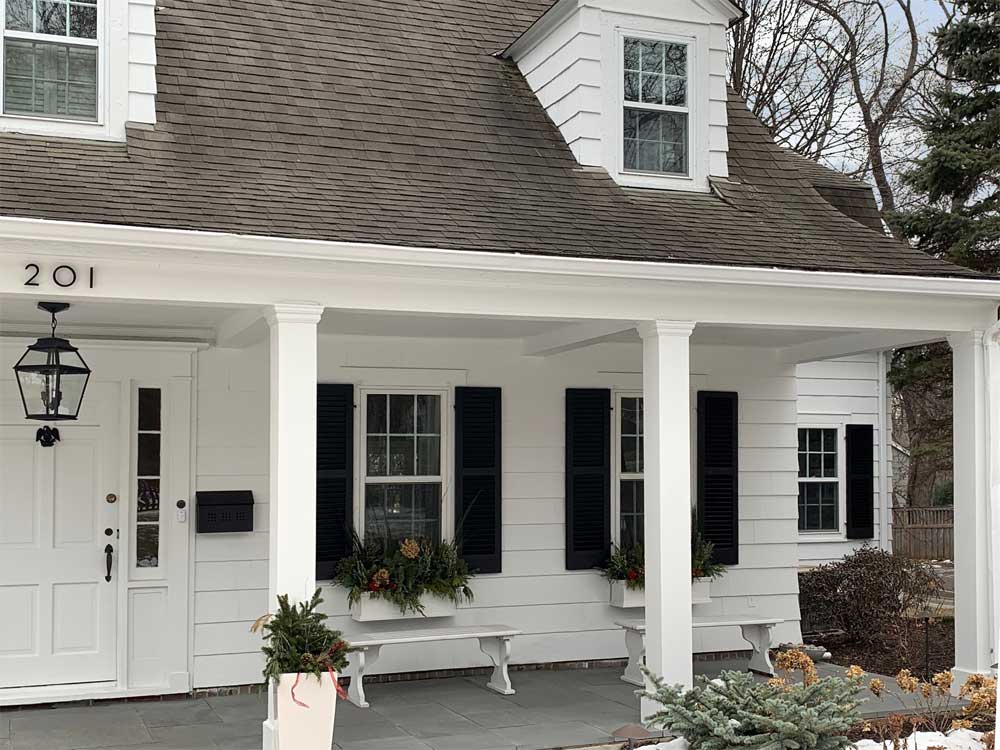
736	711
868	594
298	641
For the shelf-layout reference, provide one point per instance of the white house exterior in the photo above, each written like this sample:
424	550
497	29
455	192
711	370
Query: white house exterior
313	223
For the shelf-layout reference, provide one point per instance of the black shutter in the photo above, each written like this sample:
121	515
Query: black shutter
334	475
718	473
478	477
860	464
588	477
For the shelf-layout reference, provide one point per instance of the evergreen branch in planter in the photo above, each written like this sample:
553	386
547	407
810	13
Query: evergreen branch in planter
298	641
403	571
628	563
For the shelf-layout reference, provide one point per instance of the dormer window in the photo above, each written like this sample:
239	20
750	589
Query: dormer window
50	59
656	110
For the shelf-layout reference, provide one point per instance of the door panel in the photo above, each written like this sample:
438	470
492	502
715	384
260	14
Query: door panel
60	618
18	500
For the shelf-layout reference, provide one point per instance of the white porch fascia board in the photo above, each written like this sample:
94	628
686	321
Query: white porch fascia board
572	337
137	239
855	343
204	268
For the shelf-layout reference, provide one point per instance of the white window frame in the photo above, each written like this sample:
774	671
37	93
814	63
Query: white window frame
695	38
112	75
361	455
687	44
616	459
825	535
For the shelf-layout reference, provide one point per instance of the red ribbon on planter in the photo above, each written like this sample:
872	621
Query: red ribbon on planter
336	684
295	684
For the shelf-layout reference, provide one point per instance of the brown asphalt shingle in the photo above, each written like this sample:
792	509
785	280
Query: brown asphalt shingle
393	122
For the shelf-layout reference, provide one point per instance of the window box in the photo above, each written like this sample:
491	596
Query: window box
701	590
625	598
374	609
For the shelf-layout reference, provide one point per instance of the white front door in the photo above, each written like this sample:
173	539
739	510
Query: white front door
58	611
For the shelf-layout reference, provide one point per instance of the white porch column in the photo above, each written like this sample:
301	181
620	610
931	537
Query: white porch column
973	452
666	383
292	502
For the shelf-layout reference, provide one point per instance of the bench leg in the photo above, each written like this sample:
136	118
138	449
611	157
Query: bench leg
635	643
759	638
498	649
360	661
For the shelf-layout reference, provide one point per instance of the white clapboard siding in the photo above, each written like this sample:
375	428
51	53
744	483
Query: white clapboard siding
837	392
564	614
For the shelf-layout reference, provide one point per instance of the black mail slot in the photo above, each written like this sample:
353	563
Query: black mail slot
224	510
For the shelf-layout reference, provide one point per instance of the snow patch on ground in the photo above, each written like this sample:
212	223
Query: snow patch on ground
960	739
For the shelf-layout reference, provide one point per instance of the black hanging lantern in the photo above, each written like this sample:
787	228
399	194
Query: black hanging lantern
52	375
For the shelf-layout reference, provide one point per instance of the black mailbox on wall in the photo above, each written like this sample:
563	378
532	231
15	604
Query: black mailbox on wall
224	510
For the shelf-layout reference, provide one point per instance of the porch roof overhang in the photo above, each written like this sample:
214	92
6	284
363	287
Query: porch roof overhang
849	311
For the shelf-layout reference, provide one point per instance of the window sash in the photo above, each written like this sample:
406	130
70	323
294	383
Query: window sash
618	437
632	104
366	480
62	41
835	481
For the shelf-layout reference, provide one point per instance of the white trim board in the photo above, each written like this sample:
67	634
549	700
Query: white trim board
139	240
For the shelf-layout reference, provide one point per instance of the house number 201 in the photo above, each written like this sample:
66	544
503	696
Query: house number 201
63	276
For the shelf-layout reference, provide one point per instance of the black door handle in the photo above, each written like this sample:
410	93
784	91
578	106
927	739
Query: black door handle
108	553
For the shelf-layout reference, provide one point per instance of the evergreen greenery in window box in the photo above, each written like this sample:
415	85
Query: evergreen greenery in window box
627	573
303	658
389	579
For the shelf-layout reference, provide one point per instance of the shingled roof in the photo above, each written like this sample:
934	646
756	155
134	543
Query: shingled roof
395	122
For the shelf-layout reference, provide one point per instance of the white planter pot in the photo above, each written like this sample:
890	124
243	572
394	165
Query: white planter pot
372	609
624	597
701	590
301	728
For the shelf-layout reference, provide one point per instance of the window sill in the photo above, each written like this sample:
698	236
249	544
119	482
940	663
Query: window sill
818	537
57	127
661	181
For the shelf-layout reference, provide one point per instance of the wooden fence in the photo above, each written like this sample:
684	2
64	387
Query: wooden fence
924	533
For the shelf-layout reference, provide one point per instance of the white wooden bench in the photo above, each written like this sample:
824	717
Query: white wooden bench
494	641
756	632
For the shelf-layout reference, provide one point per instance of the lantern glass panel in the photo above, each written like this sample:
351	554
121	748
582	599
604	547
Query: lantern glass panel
52	382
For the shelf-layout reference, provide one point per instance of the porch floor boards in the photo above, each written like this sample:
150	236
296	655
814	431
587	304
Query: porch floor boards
552	709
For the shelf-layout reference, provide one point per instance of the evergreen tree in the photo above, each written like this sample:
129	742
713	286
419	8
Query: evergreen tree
958	182
959	177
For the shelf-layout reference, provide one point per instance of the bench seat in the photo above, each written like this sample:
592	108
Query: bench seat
494	641
756	631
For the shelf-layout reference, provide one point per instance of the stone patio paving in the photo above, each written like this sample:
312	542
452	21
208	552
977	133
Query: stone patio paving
552	709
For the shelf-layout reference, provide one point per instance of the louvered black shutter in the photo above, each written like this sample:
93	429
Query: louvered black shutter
478	477
588	477
718	473
334	475
860	464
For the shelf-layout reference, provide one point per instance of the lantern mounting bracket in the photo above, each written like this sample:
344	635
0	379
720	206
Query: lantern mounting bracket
53	308
47	436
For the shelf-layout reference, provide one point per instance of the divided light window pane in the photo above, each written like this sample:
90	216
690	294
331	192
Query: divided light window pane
819	486
656	115
402	443
148	463
630	491
72	18
50	78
